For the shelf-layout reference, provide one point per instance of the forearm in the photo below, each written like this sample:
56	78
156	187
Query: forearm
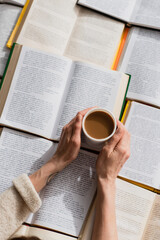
105	217
40	178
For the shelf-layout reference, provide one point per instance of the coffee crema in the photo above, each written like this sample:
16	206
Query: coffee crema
99	125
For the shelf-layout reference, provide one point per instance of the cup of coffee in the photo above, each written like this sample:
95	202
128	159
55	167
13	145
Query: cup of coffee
98	126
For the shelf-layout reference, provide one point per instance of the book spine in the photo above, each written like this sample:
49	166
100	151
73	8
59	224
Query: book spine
125	111
120	49
124	101
7	65
140	184
156	191
11	39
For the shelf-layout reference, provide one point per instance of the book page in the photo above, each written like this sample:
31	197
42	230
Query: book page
41	233
121	9
21	153
146	13
67	198
86	232
143	166
49	24
8	17
63	27
133	206
89	86
152	230
36	92
142	60
95	38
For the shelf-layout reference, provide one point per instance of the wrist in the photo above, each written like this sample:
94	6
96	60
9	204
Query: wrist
105	185
49	168
42	176
56	164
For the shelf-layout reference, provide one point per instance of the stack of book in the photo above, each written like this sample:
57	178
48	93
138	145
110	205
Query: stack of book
57	66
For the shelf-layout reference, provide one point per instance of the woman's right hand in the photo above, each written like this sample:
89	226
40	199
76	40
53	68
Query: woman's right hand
113	155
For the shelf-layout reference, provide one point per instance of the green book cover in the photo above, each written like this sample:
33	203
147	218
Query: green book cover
7	64
124	101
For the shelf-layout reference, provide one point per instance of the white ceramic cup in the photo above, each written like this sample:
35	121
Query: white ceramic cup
97	144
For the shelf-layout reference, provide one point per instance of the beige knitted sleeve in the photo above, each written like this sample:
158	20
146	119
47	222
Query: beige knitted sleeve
15	205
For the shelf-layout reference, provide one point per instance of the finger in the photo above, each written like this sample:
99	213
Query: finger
123	146
66	133
68	130
66	127
71	122
112	143
62	135
83	112
77	127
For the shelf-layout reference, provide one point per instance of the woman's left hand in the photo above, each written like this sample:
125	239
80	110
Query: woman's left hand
70	142
67	151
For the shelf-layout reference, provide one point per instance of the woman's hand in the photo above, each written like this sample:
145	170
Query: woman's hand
113	155
67	151
70	142
109	162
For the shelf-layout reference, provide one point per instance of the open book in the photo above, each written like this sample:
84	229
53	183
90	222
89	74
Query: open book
67	198
8	17
143	166
140	58
64	28
43	92
136	12
137	212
